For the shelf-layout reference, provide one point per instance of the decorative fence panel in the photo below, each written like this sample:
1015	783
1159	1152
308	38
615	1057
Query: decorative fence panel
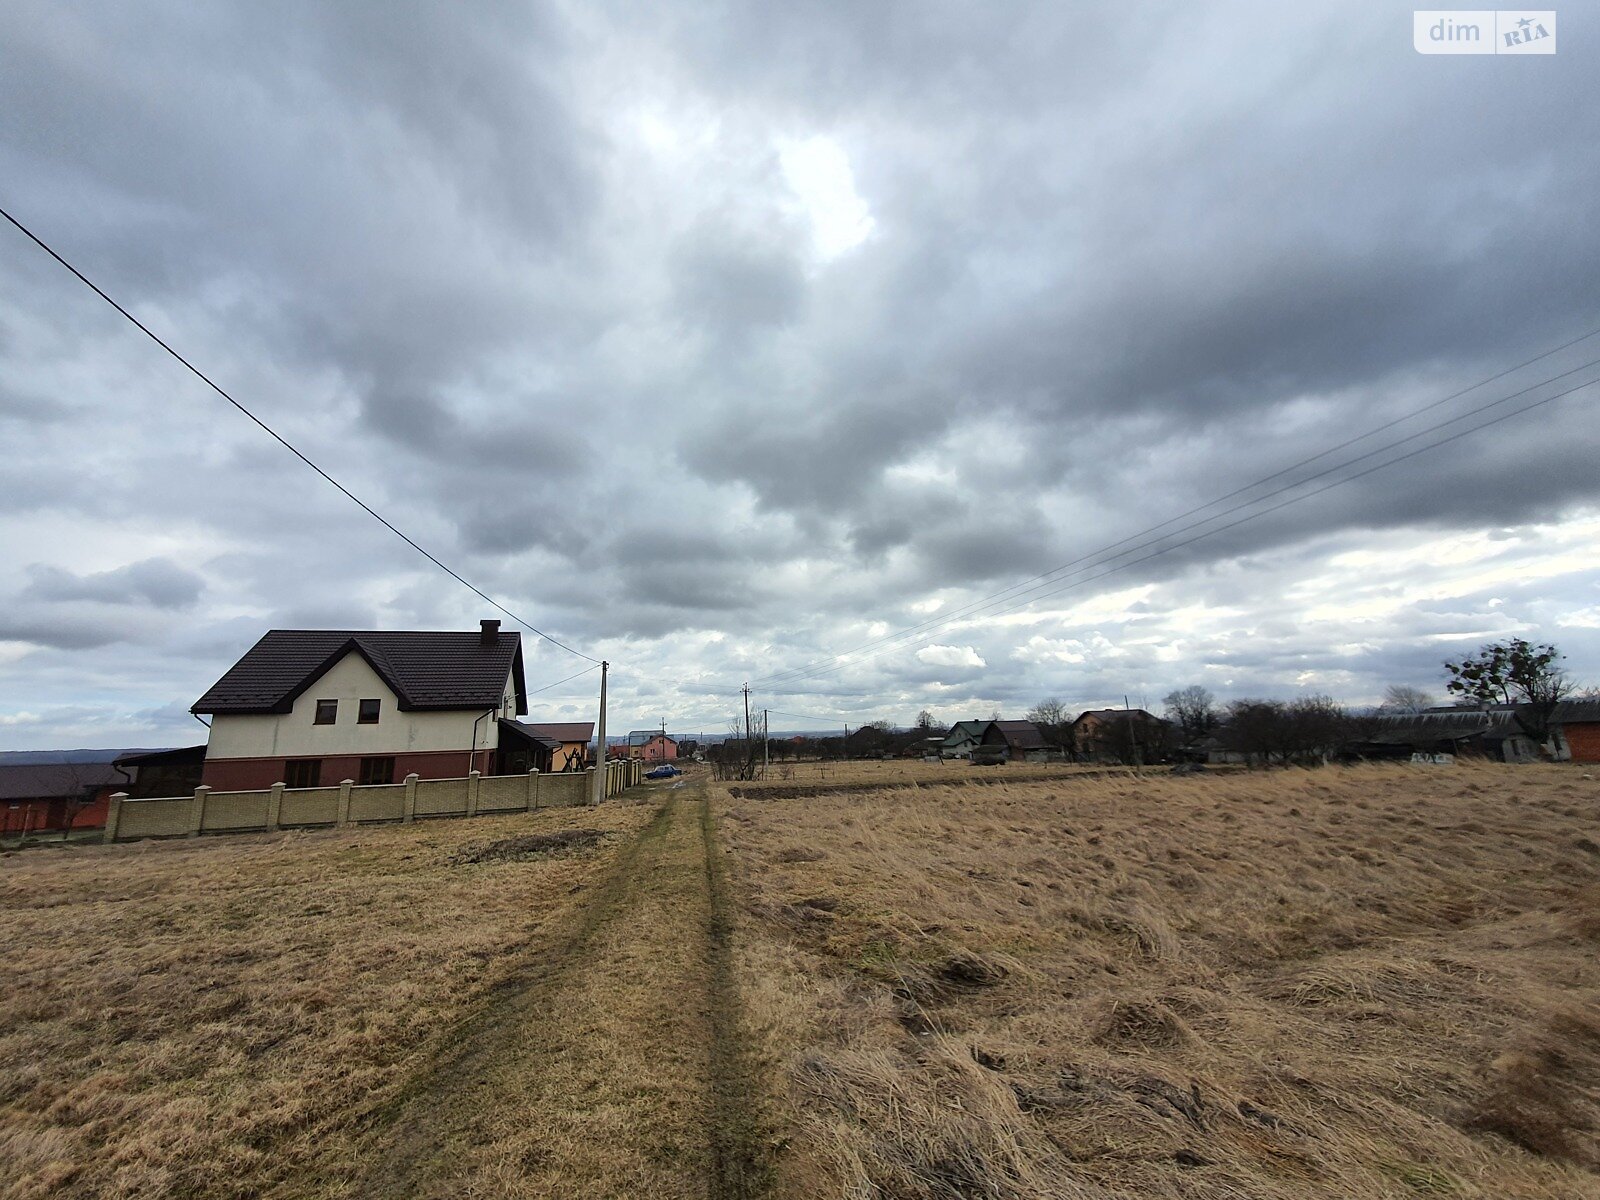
566	788
155	818
505	793
279	807
378	802
441	798
303	806
229	812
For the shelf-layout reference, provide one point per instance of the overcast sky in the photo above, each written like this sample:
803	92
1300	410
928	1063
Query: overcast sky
721	340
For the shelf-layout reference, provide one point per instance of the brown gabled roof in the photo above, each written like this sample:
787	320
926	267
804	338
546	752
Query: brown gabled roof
1118	714
425	670
50	781
562	731
1021	735
158	758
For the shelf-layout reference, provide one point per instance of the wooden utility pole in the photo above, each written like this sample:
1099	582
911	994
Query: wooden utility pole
766	745
1133	736
749	745
600	766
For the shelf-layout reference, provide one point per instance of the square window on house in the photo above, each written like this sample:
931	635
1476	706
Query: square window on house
369	712
303	772
377	770
327	712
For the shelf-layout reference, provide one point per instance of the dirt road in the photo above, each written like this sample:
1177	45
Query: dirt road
606	1065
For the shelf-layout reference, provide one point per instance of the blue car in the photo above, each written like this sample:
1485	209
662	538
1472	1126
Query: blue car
664	771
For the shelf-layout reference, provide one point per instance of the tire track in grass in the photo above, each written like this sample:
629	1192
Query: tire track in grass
608	1063
411	1135
740	1169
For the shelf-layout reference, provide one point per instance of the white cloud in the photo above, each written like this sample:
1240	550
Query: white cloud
950	656
817	170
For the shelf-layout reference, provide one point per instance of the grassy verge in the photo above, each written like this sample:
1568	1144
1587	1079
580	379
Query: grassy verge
201	1018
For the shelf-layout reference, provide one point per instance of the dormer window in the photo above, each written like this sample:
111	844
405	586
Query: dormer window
327	712
369	712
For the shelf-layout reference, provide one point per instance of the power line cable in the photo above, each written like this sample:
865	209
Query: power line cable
287	445
1034	584
937	622
568	679
778	712
1042	594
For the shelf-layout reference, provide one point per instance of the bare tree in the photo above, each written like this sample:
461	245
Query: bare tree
1053	722
1194	711
1403	698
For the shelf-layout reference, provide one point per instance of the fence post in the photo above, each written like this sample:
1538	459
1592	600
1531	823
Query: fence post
588	785
274	806
197	815
533	789
114	816
410	810
344	801
472	792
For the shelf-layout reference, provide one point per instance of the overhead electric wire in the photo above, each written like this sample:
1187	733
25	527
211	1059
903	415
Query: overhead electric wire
1041	591
804	716
1328	487
568	679
938	622
289	446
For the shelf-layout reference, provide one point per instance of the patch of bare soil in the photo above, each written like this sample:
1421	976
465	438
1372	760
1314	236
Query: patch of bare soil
530	846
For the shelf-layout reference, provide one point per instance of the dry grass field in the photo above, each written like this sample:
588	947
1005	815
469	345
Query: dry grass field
913	770
247	1016
1362	983
1365	982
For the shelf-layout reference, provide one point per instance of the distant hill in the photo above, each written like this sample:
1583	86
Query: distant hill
32	758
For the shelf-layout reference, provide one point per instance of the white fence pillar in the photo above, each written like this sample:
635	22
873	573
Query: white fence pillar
114	816
409	812
472	793
343	817
533	789
197	815
274	806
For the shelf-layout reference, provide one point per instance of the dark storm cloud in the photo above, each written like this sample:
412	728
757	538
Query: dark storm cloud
735	284
157	582
547	287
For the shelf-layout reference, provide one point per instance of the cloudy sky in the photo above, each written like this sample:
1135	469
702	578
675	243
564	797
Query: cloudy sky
723	340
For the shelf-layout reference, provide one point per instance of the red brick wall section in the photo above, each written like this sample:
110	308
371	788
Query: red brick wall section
1584	740
249	774
31	815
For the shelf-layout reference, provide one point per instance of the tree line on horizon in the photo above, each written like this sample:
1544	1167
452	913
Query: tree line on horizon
1309	728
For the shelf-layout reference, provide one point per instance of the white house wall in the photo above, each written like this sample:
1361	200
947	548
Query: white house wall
349	681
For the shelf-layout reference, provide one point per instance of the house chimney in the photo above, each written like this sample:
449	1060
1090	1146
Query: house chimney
488	632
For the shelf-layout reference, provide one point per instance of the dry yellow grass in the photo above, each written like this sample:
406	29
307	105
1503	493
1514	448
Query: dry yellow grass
1367	982
914	770
219	1017
1377	982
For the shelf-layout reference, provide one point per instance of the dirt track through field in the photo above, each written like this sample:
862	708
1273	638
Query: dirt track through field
606	1064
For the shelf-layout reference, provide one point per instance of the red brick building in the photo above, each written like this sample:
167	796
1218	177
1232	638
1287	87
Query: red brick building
1579	721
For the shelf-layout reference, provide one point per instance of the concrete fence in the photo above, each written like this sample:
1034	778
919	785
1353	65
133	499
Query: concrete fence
280	807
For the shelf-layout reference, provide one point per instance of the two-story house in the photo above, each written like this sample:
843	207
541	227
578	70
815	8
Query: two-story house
313	707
